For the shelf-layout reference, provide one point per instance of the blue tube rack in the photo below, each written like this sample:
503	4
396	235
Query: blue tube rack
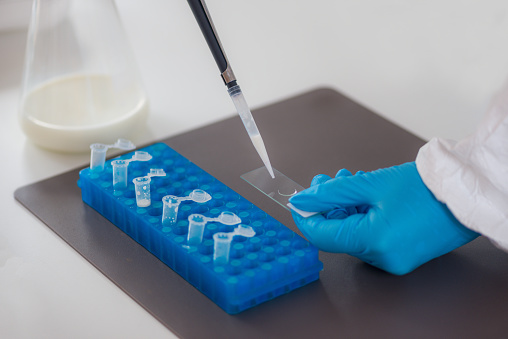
273	262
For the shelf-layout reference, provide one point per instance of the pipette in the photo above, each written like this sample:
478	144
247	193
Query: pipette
204	20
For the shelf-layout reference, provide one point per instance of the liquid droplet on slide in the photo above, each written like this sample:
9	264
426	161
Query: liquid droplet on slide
288	195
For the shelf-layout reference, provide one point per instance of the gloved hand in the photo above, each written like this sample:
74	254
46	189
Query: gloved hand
387	218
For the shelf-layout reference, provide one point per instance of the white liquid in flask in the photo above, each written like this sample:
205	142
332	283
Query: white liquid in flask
70	113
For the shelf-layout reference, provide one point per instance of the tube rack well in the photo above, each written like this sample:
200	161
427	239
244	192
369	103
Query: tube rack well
273	262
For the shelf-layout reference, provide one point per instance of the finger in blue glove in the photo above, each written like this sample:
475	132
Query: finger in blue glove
319	179
341	212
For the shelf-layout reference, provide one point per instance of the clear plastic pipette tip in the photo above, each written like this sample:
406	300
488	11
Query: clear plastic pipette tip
261	149
250	125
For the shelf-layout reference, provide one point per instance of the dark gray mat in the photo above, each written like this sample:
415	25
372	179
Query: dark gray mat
462	294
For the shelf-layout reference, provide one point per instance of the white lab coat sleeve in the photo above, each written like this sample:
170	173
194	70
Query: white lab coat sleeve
471	176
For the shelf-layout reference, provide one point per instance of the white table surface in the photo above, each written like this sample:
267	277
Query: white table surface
429	66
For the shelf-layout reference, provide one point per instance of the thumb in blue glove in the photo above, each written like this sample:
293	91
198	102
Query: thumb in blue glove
387	218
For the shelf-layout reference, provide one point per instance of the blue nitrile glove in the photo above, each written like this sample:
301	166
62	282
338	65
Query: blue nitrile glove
387	218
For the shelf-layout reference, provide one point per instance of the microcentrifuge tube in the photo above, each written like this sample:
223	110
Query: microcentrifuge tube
120	168
221	247
170	209
244	231
156	172
197	224
222	243
197	195
196	228
119	173
171	203
228	218
98	155
142	187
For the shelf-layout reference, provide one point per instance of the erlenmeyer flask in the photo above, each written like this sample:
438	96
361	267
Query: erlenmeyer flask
81	84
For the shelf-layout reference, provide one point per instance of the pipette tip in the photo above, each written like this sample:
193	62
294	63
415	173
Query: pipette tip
258	143
270	170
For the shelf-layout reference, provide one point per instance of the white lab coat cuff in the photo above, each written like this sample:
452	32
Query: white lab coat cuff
460	185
